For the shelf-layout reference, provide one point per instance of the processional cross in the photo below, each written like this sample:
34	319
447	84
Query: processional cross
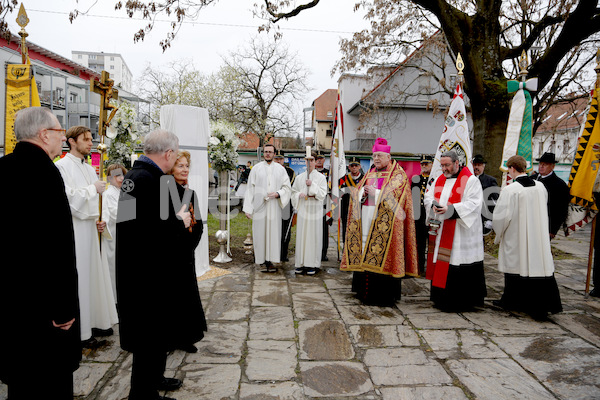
104	87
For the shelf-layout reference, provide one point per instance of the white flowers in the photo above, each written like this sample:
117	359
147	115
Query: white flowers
222	146
123	133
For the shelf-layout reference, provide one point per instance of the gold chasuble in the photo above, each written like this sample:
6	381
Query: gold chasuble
390	248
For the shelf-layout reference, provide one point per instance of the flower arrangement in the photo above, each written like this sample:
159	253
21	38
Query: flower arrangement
222	146
123	135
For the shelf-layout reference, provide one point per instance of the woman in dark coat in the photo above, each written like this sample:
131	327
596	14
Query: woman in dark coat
190	315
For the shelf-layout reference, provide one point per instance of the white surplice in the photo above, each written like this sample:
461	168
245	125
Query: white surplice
467	247
309	228
266	178
110	204
521	225
96	298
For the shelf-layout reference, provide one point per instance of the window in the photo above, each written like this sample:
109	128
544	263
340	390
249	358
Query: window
112	67
79	56
329	132
330	113
92	57
112	59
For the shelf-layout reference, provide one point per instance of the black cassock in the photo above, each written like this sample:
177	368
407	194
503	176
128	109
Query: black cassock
38	276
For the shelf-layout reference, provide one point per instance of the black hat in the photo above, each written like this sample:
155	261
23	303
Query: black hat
426	159
478	159
320	154
354	160
547	157
279	154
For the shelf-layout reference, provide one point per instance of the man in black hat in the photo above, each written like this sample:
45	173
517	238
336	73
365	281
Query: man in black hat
558	192
490	196
320	162
418	187
287	212
351	180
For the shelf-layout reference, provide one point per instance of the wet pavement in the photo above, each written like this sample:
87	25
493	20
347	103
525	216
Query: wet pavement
282	336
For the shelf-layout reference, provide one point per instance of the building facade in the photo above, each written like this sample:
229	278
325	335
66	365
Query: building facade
113	63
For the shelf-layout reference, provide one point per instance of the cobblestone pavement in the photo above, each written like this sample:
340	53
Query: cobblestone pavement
281	336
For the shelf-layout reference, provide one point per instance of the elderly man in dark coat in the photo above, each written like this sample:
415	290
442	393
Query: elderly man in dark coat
38	278
151	230
558	192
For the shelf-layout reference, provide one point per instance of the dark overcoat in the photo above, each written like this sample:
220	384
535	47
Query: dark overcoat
149	241
558	200
188	318
38	277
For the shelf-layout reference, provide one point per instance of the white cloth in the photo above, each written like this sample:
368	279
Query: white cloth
467	247
367	214
191	125
266	178
309	228
96	298
110	204
521	225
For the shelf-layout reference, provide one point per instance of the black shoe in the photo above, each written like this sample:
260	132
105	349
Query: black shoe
188	348
268	269
96	332
595	293
169	384
299	271
311	271
498	303
93	343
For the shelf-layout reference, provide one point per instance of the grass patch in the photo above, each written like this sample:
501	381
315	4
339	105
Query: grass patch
240	226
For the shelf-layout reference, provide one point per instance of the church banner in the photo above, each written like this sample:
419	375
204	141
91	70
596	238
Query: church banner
338	158
455	135
21	92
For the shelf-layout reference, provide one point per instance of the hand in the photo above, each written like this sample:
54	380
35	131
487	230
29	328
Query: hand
249	216
65	326
308	182
185	216
302	195
370	190
101	226
440	209
273	195
552	235
100	186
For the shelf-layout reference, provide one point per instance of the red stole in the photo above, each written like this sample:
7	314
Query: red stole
438	272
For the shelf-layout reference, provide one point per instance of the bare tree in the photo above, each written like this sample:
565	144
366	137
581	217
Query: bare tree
6	8
270	84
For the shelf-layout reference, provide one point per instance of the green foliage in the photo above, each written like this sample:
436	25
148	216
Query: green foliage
123	135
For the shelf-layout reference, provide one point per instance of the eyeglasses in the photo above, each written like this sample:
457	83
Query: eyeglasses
60	130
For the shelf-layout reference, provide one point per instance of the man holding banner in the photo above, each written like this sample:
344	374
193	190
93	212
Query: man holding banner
455	257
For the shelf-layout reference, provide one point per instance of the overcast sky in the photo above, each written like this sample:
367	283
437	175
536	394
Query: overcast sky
314	34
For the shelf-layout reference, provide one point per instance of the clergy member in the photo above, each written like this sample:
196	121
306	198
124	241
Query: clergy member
267	194
351	181
96	298
520	222
308	193
288	211
455	256
380	239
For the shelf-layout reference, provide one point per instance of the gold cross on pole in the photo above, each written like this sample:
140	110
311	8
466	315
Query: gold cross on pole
104	87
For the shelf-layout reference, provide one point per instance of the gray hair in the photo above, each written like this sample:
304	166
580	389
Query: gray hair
160	140
450	153
29	121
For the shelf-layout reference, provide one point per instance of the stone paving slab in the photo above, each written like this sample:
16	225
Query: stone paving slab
497	379
271	360
334	379
570	366
271	391
223	344
324	340
461	343
229	306
270	293
361	314
210	381
423	393
276	323
314	306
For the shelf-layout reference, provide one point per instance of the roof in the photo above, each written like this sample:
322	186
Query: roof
325	105
565	115
36	51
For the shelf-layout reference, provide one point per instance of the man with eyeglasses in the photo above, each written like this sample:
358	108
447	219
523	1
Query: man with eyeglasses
268	192
455	254
38	278
96	298
380	243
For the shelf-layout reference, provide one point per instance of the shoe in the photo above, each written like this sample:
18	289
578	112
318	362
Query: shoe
188	348
96	332
268	269
498	303
311	271
93	343
299	271
595	293
169	384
